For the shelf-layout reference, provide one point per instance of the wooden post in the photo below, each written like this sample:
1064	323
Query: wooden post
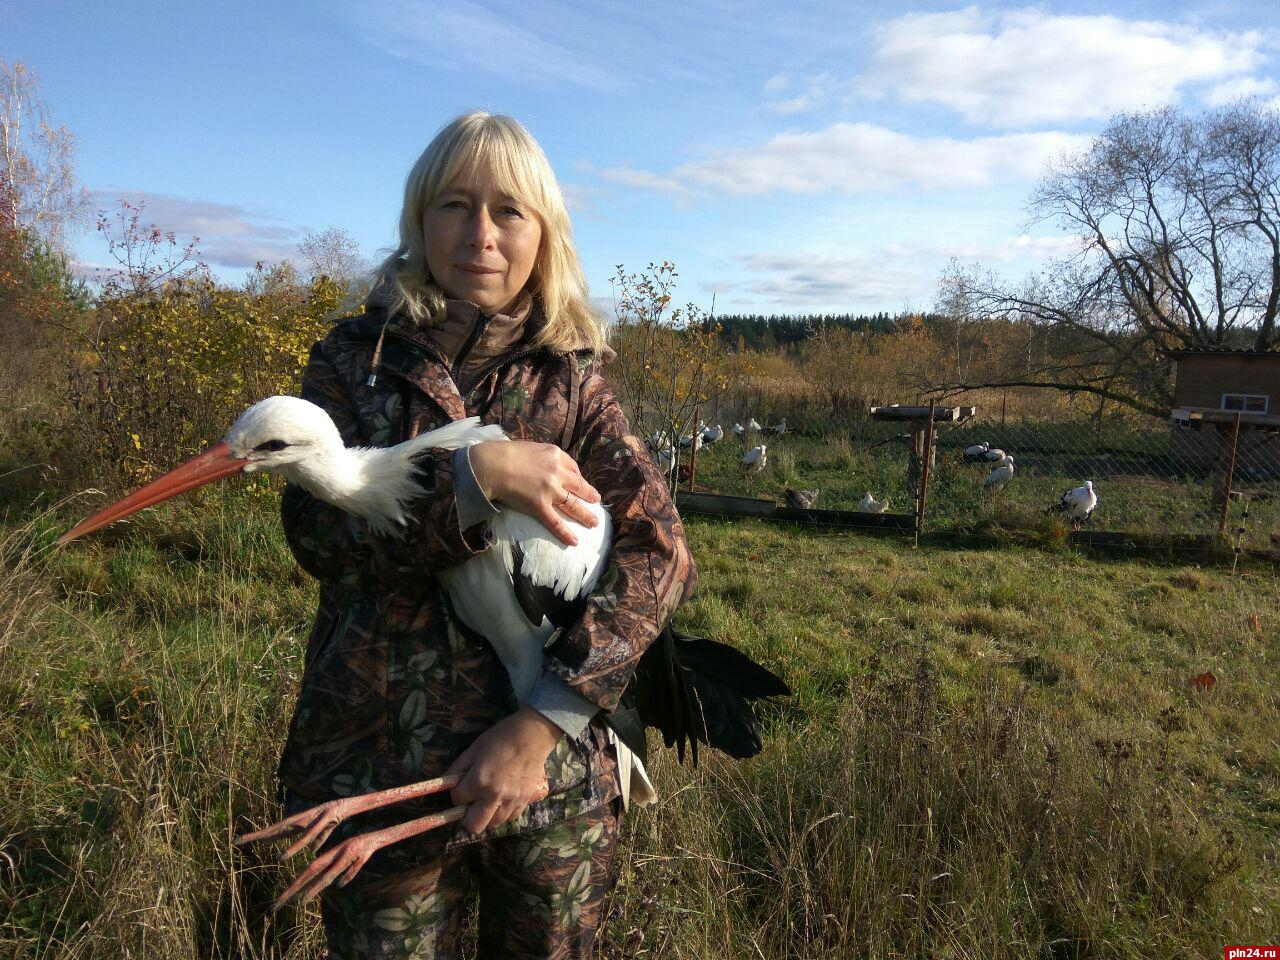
913	459
921	452
927	462
693	448
1223	490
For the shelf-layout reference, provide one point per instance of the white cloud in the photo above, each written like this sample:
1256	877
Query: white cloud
1008	250
894	273
90	270
795	281
1224	93
851	158
229	235
642	179
813	92
1028	66
777	84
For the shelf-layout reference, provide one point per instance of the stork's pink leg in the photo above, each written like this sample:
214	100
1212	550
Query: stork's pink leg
346	859
318	822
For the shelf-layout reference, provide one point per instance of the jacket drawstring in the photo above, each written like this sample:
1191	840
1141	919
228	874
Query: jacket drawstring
377	354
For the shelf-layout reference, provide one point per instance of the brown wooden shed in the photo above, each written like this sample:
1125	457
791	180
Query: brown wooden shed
1247	380
1210	388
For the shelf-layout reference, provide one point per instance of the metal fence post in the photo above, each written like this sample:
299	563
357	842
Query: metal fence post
926	460
1228	475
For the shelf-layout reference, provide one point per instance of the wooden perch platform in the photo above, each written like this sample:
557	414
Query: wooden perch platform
720	505
940	414
1197	417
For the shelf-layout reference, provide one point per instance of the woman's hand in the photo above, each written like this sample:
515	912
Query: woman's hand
505	769
537	479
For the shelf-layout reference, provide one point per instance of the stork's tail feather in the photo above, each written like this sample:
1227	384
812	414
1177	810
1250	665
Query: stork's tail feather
696	690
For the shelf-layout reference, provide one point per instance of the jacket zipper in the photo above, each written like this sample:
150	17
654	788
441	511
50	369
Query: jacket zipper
494	365
476	333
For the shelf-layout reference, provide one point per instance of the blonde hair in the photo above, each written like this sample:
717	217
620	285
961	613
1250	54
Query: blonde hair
504	147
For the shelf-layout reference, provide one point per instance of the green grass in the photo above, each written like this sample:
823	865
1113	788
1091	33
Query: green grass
990	752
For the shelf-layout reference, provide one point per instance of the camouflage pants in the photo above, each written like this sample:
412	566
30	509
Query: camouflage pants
539	894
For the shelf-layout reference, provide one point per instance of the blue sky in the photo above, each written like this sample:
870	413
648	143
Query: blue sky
807	157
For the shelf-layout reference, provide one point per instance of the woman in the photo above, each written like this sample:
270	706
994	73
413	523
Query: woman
481	310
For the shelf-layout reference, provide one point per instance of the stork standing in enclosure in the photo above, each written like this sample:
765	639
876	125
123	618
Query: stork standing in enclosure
481	310
1077	505
999	476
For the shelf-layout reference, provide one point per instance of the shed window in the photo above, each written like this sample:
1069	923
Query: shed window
1245	402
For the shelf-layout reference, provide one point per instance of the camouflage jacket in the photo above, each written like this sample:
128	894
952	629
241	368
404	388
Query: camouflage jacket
394	687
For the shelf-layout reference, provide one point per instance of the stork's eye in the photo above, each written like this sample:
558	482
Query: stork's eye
270	446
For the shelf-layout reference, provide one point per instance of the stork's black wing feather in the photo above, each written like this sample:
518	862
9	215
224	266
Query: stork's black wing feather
695	690
540	601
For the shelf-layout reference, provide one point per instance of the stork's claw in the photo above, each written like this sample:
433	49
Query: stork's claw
317	823
345	860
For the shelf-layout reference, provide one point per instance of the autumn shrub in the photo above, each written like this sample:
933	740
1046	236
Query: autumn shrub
39	299
160	372
672	366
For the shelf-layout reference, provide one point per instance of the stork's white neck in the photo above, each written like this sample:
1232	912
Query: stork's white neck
335	474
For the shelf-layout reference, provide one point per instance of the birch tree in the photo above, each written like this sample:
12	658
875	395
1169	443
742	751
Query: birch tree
39	194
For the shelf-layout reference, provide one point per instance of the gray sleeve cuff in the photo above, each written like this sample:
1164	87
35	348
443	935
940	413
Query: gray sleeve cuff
473	506
561	704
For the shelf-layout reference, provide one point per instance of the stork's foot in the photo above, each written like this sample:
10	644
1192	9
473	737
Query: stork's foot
344	861
317	823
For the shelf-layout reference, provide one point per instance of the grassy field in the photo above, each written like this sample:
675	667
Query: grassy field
990	753
1131	498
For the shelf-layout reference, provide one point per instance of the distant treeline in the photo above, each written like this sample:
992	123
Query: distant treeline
759	332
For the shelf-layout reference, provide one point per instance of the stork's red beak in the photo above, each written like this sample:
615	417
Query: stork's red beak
214	464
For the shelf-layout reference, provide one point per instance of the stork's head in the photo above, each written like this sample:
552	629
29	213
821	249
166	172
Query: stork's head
273	434
278	432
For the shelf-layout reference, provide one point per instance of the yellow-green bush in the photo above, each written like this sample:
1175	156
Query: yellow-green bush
162	372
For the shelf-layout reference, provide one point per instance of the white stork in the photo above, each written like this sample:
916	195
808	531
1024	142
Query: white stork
739	431
993	455
870	504
711	434
780	427
976	452
755	459
515	595
999	476
1077	504
753	425
691	441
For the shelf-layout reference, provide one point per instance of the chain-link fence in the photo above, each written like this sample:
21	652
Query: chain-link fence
1151	477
